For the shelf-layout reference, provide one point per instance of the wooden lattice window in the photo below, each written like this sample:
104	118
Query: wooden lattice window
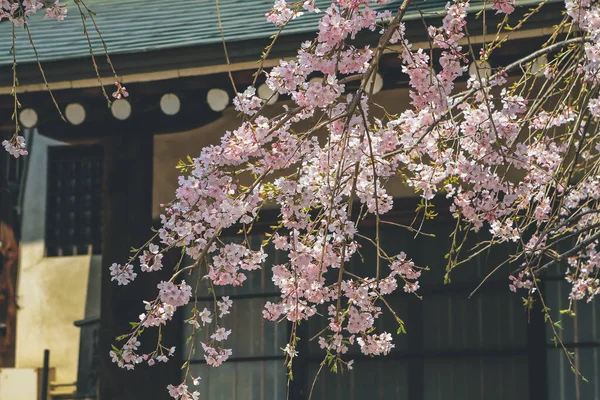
74	200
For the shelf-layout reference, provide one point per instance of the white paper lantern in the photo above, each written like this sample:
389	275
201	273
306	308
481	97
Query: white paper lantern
28	118
170	104
121	109
217	99
265	93
75	113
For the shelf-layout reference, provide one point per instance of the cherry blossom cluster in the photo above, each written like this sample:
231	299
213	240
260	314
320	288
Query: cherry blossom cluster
18	12
170	297
215	356
247	102
438	154
128	356
583	275
15	147
123	274
56	11
406	270
503	6
231	258
282	13
524	168
151	260
521	281
120	92
181	392
204	316
210	199
174	295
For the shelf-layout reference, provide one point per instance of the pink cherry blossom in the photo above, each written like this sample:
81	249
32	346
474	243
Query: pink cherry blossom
15	147
518	165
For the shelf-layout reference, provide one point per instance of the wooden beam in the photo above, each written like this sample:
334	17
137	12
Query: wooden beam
234	67
146	116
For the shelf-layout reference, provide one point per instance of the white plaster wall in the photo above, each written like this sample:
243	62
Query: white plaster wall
51	291
19	384
52	296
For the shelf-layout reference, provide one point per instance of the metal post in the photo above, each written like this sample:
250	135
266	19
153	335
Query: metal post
45	371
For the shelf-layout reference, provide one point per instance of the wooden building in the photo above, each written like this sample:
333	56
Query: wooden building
96	181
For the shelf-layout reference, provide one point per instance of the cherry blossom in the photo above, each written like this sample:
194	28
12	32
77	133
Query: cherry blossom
513	165
215	356
123	274
57	11
247	102
220	334
224	305
15	147
121	91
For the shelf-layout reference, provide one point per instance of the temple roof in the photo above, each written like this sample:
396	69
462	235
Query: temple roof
136	26
145	36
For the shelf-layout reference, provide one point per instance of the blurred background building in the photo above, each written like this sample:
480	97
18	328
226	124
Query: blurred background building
92	186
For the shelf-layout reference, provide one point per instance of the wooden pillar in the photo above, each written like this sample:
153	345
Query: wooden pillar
127	221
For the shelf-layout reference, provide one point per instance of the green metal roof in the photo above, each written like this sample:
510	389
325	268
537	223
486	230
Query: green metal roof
134	26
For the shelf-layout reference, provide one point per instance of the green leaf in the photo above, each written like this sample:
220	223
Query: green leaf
401	329
568	312
558	324
546	317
